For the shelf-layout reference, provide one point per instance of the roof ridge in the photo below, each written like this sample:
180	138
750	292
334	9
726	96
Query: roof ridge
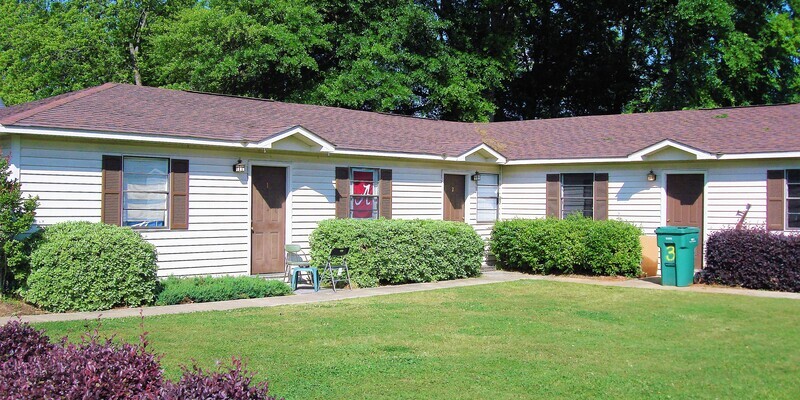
236	96
14	118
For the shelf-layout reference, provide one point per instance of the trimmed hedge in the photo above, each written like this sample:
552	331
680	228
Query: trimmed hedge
572	245
204	289
754	259
386	251
83	266
33	368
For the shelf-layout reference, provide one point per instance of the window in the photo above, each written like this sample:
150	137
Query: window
145	192
577	194
364	193
488	197
793	198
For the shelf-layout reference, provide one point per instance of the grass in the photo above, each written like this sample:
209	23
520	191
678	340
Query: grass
527	339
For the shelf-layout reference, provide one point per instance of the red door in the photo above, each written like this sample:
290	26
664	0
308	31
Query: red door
268	223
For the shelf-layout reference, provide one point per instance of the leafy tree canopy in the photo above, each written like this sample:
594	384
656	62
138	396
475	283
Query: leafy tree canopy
469	60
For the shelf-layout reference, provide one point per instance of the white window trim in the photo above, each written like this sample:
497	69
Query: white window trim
168	192
478	200
561	188
787	198
376	194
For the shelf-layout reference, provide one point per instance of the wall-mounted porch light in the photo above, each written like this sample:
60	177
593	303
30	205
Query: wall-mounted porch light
651	176
476	176
239	167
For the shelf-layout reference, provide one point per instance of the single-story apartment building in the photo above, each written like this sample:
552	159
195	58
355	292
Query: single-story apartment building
220	183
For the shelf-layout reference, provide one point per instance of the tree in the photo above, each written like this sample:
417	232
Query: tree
16	217
254	48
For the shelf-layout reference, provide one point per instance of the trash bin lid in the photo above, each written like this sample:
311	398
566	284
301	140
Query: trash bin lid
676	230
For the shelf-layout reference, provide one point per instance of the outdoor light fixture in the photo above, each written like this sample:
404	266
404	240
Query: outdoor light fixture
477	176
239	166
651	176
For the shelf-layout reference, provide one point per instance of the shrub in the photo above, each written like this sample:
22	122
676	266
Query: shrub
16	217
400	251
572	245
21	342
232	384
31	368
88	369
753	258
613	248
204	289
86	267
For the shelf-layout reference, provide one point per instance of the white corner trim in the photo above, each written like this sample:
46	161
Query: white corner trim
302	133
483	147
700	155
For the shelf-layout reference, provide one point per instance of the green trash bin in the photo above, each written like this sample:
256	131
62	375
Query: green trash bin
677	244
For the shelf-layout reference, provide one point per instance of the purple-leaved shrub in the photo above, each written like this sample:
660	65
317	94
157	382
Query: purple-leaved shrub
33	368
753	258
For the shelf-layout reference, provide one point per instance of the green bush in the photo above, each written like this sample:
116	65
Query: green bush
83	266
572	245
204	289
400	251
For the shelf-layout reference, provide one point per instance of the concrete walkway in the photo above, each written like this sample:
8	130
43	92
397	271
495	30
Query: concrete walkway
307	296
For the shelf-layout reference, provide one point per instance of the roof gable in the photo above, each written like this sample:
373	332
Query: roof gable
296	138
482	153
669	150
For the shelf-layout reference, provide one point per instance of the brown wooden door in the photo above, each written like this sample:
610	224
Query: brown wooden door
685	206
268	219
454	195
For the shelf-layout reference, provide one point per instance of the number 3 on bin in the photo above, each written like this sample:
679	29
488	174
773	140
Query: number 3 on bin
670	257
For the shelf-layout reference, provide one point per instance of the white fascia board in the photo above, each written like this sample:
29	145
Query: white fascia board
485	148
754	156
304	135
414	156
136	137
542	161
701	155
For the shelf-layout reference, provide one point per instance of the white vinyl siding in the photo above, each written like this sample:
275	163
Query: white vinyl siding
731	185
67	178
66	175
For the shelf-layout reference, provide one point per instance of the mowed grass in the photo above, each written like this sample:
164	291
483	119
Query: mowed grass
519	340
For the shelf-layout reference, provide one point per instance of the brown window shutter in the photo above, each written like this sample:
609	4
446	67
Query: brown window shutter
111	201
179	194
600	196
385	192
553	196
342	192
775	197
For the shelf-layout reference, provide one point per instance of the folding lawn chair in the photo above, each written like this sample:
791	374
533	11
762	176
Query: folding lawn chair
338	253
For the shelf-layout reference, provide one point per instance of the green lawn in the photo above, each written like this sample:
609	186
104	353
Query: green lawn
527	339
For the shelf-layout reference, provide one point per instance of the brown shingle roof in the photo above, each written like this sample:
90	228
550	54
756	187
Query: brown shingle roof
728	131
152	111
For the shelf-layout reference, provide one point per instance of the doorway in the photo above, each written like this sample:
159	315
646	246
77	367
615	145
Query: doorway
268	219
685	206
454	197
